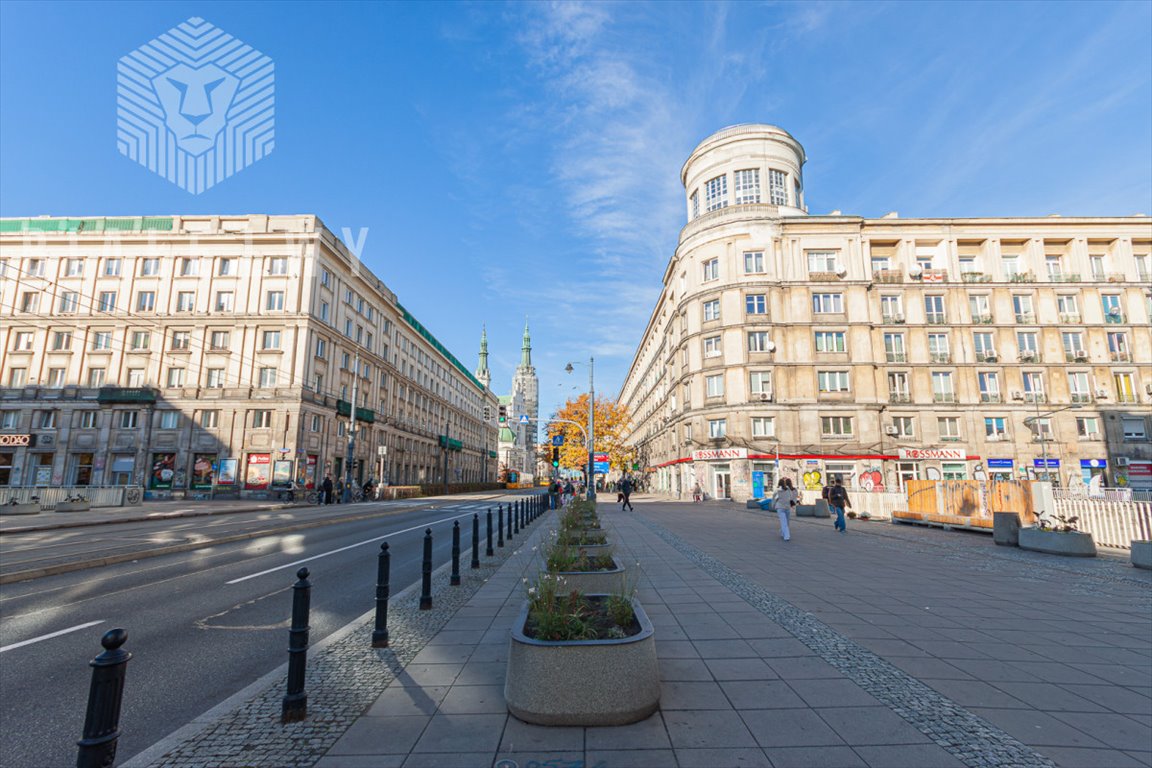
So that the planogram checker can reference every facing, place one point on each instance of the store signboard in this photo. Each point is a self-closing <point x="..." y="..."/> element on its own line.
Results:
<point x="932" y="454"/>
<point x="1000" y="463"/>
<point x="720" y="454"/>
<point x="1046" y="463"/>
<point x="227" y="472"/>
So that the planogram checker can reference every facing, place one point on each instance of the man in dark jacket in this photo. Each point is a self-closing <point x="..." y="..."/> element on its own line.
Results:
<point x="626" y="491"/>
<point x="838" y="500"/>
<point x="326" y="486"/>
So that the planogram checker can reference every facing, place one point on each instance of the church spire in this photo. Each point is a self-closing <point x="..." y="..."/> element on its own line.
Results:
<point x="482" y="372"/>
<point x="526" y="350"/>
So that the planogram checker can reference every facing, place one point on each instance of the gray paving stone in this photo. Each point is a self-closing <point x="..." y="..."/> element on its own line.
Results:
<point x="1037" y="728"/>
<point x="461" y="733"/>
<point x="692" y="695"/>
<point x="701" y="729"/>
<point x="789" y="728"/>
<point x="684" y="669"/>
<point x="976" y="693"/>
<point x="814" y="757"/>
<point x="722" y="758"/>
<point x="482" y="673"/>
<point x="779" y="648"/>
<point x="760" y="694"/>
<point x="449" y="760"/>
<point x="428" y="674"/>
<point x="631" y="758"/>
<point x="740" y="669"/>
<point x="831" y="692"/>
<point x="915" y="756"/>
<point x="398" y="701"/>
<point x="540" y="739"/>
<point x="1048" y="698"/>
<point x="801" y="667"/>
<point x="724" y="649"/>
<point x="871" y="725"/>
<point x="675" y="649"/>
<point x="381" y="736"/>
<point x="648" y="734"/>
<point x="474" y="700"/>
<point x="1114" y="730"/>
<point x="361" y="761"/>
<point x="1071" y="757"/>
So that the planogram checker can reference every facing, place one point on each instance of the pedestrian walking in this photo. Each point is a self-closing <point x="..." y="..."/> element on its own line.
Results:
<point x="326" y="487"/>
<point x="626" y="493"/>
<point x="782" y="501"/>
<point x="838" y="500"/>
<point x="569" y="493"/>
<point x="340" y="491"/>
<point x="696" y="493"/>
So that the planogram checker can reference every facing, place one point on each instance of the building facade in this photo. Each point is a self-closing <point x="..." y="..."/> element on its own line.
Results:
<point x="522" y="410"/>
<point x="882" y="350"/>
<point x="196" y="354"/>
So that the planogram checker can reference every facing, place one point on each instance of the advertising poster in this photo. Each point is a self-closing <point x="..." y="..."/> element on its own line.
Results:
<point x="256" y="478"/>
<point x="227" y="472"/>
<point x="202" y="471"/>
<point x="282" y="474"/>
<point x="310" y="471"/>
<point x="163" y="470"/>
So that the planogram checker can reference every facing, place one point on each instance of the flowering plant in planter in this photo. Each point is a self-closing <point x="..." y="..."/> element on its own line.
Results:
<point x="581" y="537"/>
<point x="1058" y="523"/>
<point x="557" y="613"/>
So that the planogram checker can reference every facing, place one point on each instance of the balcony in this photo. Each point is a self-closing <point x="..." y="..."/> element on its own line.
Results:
<point x="943" y="397"/>
<point x="1120" y="356"/>
<point x="1026" y="318"/>
<point x="934" y="276"/>
<point x="935" y="318"/>
<point x="991" y="397"/>
<point x="899" y="397"/>
<point x="975" y="277"/>
<point x="1069" y="317"/>
<point x="986" y="357"/>
<point x="1044" y="437"/>
<point x="1064" y="277"/>
<point x="896" y="357"/>
<point x="1127" y="397"/>
<point x="1022" y="277"/>
<point x="1114" y="277"/>
<point x="824" y="277"/>
<point x="1081" y="397"/>
<point x="1035" y="397"/>
<point x="984" y="319"/>
<point x="888" y="276"/>
<point x="949" y="438"/>
<point x="1028" y="357"/>
<point x="1075" y="356"/>
<point x="940" y="357"/>
<point x="1114" y="317"/>
<point x="892" y="318"/>
<point x="1088" y="438"/>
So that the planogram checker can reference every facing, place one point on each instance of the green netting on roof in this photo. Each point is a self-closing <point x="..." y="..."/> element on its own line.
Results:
<point x="419" y="328"/>
<point x="122" y="225"/>
<point x="138" y="224"/>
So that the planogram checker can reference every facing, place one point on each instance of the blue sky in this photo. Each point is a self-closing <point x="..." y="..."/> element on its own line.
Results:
<point x="511" y="160"/>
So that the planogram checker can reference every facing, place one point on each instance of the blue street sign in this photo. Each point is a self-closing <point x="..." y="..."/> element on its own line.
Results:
<point x="1052" y="463"/>
<point x="999" y="463"/>
<point x="557" y="440"/>
<point x="524" y="419"/>
<point x="1092" y="463"/>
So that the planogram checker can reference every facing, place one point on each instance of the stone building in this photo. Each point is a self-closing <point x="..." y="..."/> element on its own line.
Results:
<point x="518" y="434"/>
<point x="219" y="354"/>
<point x="886" y="349"/>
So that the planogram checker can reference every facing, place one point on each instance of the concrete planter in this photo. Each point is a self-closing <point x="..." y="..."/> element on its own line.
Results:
<point x="1142" y="554"/>
<point x="819" y="509"/>
<point x="1068" y="544"/>
<point x="583" y="682"/>
<point x="1006" y="529"/>
<point x="26" y="508"/>
<point x="73" y="506"/>
<point x="594" y="582"/>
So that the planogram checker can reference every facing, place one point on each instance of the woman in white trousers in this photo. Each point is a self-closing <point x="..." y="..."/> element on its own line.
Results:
<point x="783" y="501"/>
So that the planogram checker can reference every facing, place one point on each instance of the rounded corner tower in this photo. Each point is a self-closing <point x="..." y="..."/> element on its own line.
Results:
<point x="747" y="164"/>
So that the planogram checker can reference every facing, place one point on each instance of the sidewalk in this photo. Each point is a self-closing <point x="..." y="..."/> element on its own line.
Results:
<point x="923" y="649"/>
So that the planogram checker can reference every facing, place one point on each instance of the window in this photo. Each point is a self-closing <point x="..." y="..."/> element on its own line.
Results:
<point x="1026" y="343"/>
<point x="314" y="426"/>
<point x="175" y="377"/>
<point x="9" y="419"/>
<point x="711" y="346"/>
<point x="73" y="267"/>
<point x="898" y="387"/>
<point x="185" y="301"/>
<point x="905" y="426"/>
<point x="1133" y="428"/>
<point x="716" y="193"/>
<point x="949" y="428"/>
<point x="146" y="301"/>
<point x="778" y="187"/>
<point x="714" y="385"/>
<point x="225" y="301"/>
<point x="1022" y="306"/>
<point x="760" y="382"/>
<point x="717" y="428"/>
<point x="746" y="185"/>
<point x="348" y="327"/>
<point x="219" y="340"/>
<point x="1073" y="346"/>
<point x="88" y="420"/>
<point x="891" y="309"/>
<point x="141" y="340"/>
<point x="189" y="267"/>
<point x="112" y="267"/>
<point x="69" y="301"/>
<point x="712" y="310"/>
<point x="61" y="341"/>
<point x="1111" y="306"/>
<point x="1096" y="262"/>
<point x="942" y="391"/>
<point x="214" y="378"/>
<point x="830" y="341"/>
<point x="755" y="304"/>
<point x="23" y="341"/>
<point x="277" y="265"/>
<point x="1118" y="347"/>
<point x="753" y="262"/>
<point x="1033" y="387"/>
<point x="267" y="378"/>
<point x="321" y="348"/>
<point x="985" y="348"/>
<point x="758" y="341"/>
<point x="827" y="303"/>
<point x="980" y="308"/>
<point x="106" y="302"/>
<point x="181" y="340"/>
<point x="934" y="310"/>
<point x="695" y="204"/>
<point x="102" y="341"/>
<point x="324" y="311"/>
<point x="954" y="470"/>
<point x="1125" y="388"/>
<point x="1087" y="428"/>
<point x="169" y="419"/>
<point x="325" y="278"/>
<point x="1068" y="308"/>
<point x="209" y="419"/>
<point x="894" y="348"/>
<point x="271" y="340"/>
<point x="261" y="419"/>
<point x="128" y="419"/>
<point x="836" y="426"/>
<point x="274" y="300"/>
<point x="35" y="267"/>
<point x="95" y="377"/>
<point x="763" y="426"/>
<point x="989" y="386"/>
<point x="345" y="361"/>
<point x="44" y="419"/>
<point x="318" y="383"/>
<point x="1142" y="272"/>
<point x="1041" y="429"/>
<point x="226" y="267"/>
<point x="968" y="265"/>
<point x="1054" y="264"/>
<point x="832" y="381"/>
<point x="17" y="377"/>
<point x="823" y="261"/>
<point x="149" y="267"/>
<point x="135" y="377"/>
<point x="1078" y="387"/>
<point x="56" y="377"/>
<point x="711" y="269"/>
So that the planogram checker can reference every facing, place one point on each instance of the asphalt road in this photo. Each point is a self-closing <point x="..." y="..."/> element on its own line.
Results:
<point x="196" y="638"/>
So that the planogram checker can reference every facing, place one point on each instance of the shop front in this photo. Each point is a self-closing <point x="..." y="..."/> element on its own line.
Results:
<point x="1001" y="470"/>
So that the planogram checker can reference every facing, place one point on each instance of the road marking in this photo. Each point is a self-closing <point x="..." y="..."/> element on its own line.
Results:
<point x="50" y="636"/>
<point x="344" y="549"/>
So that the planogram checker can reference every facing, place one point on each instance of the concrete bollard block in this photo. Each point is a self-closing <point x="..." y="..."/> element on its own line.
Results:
<point x="1006" y="529"/>
<point x="1142" y="554"/>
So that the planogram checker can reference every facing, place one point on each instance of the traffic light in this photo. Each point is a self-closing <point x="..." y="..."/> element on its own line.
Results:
<point x="487" y="413"/>
<point x="503" y="414"/>
<point x="556" y="457"/>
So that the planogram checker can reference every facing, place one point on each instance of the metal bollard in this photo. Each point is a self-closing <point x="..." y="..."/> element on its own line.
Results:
<point x="516" y="516"/>
<point x="295" y="705"/>
<point x="475" y="540"/>
<point x="488" y="552"/>
<point x="455" y="580"/>
<point x="426" y="573"/>
<point x="106" y="693"/>
<point x="509" y="523"/>
<point x="383" y="570"/>
<point x="500" y="528"/>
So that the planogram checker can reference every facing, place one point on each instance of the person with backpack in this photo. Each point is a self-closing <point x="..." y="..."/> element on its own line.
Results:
<point x="838" y="500"/>
<point x="782" y="502"/>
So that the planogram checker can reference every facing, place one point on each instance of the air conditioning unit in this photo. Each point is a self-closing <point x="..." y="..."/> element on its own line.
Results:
<point x="765" y="397"/>
<point x="1017" y="395"/>
<point x="1080" y="356"/>
<point x="1101" y="393"/>
<point x="899" y="318"/>
<point x="1121" y="461"/>
<point x="891" y="431"/>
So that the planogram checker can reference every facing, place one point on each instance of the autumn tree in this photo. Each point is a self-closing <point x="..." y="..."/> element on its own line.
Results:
<point x="611" y="425"/>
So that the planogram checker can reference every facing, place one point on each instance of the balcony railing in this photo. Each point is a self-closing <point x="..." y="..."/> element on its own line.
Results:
<point x="934" y="276"/>
<point x="1064" y="277"/>
<point x="984" y="319"/>
<point x="1075" y="356"/>
<point x="1022" y="277"/>
<point x="824" y="277"/>
<point x="899" y="397"/>
<point x="896" y="357"/>
<point x="1114" y="317"/>
<point x="943" y="397"/>
<point x="949" y="438"/>
<point x="986" y="357"/>
<point x="892" y="318"/>
<point x="975" y="277"/>
<point x="933" y="318"/>
<point x="1127" y="397"/>
<point x="1114" y="277"/>
<point x="991" y="397"/>
<point x="888" y="275"/>
<point x="1035" y="397"/>
<point x="1025" y="317"/>
<point x="940" y="357"/>
<point x="1069" y="317"/>
<point x="1081" y="397"/>
<point x="1028" y="357"/>
<point x="1120" y="356"/>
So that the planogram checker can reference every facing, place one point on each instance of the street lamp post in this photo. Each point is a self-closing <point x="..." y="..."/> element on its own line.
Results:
<point x="347" y="495"/>
<point x="1035" y="423"/>
<point x="591" y="424"/>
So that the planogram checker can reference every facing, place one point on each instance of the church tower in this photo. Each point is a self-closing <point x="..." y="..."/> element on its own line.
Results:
<point x="525" y="383"/>
<point x="482" y="372"/>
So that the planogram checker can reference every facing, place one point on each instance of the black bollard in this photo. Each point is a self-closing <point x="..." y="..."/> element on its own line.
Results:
<point x="383" y="569"/>
<point x="475" y="540"/>
<point x="509" y="523"/>
<point x="500" y="528"/>
<point x="426" y="573"/>
<point x="516" y="516"/>
<point x="488" y="552"/>
<point x="455" y="580"/>
<point x="102" y="721"/>
<point x="295" y="706"/>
